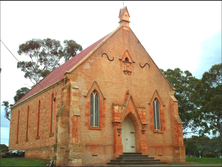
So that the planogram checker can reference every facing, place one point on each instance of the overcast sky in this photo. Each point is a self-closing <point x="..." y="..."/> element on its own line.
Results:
<point x="177" y="34"/>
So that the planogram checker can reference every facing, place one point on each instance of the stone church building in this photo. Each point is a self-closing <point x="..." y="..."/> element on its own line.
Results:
<point x="109" y="99"/>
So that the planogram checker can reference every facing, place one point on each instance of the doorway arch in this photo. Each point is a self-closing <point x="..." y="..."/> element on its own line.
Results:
<point x="128" y="135"/>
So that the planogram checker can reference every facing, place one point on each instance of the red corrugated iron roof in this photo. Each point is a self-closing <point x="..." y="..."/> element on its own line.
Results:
<point x="58" y="73"/>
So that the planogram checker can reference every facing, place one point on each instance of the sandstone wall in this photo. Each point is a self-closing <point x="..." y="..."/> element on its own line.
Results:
<point x="25" y="138"/>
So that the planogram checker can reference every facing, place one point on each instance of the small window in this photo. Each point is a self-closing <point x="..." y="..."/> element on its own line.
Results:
<point x="127" y="59"/>
<point x="94" y="109"/>
<point x="156" y="114"/>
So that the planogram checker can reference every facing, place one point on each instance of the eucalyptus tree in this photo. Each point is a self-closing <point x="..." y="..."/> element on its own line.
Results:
<point x="184" y="83"/>
<point x="209" y="100"/>
<point x="44" y="56"/>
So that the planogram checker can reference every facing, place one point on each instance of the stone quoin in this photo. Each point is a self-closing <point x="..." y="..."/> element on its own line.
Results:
<point x="109" y="99"/>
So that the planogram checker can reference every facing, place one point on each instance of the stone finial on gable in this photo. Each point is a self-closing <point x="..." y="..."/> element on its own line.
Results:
<point x="124" y="17"/>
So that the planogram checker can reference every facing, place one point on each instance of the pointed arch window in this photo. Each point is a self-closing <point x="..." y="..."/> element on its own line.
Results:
<point x="156" y="114"/>
<point x="94" y="109"/>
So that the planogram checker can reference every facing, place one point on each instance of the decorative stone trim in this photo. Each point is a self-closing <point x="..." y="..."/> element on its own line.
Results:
<point x="94" y="128"/>
<point x="119" y="111"/>
<point x="173" y="98"/>
<point x="127" y="61"/>
<point x="156" y="94"/>
<point x="158" y="131"/>
<point x="93" y="86"/>
<point x="74" y="99"/>
<point x="143" y="131"/>
<point x="60" y="110"/>
<point x="116" y="123"/>
<point x="144" y="65"/>
<point x="107" y="57"/>
<point x="64" y="87"/>
<point x="119" y="130"/>
<point x="144" y="125"/>
<point x="127" y="72"/>
<point x="178" y="119"/>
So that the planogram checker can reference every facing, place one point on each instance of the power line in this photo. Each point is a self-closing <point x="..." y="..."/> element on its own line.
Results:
<point x="18" y="61"/>
<point x="9" y="50"/>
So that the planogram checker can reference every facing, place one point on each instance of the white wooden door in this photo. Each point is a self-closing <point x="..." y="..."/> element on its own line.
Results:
<point x="128" y="135"/>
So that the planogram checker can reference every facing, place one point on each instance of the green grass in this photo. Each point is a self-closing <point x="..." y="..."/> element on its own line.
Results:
<point x="204" y="160"/>
<point x="21" y="162"/>
<point x="35" y="162"/>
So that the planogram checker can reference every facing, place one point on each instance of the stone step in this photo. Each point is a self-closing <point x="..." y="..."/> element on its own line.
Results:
<point x="135" y="163"/>
<point x="134" y="159"/>
<point x="135" y="156"/>
<point x="132" y="153"/>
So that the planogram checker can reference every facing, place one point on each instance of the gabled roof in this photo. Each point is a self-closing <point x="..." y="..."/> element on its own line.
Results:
<point x="58" y="73"/>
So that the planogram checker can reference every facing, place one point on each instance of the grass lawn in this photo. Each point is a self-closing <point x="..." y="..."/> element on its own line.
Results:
<point x="21" y="162"/>
<point x="204" y="160"/>
<point x="35" y="162"/>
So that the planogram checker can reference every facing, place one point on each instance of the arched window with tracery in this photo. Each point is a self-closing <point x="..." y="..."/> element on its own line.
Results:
<point x="94" y="109"/>
<point x="156" y="114"/>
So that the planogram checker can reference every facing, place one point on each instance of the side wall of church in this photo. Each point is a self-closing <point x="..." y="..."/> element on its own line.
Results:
<point x="144" y="84"/>
<point x="31" y="128"/>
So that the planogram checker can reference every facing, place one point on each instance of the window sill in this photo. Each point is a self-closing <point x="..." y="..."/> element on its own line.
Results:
<point x="158" y="131"/>
<point x="38" y="137"/>
<point x="51" y="134"/>
<point x="94" y="128"/>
